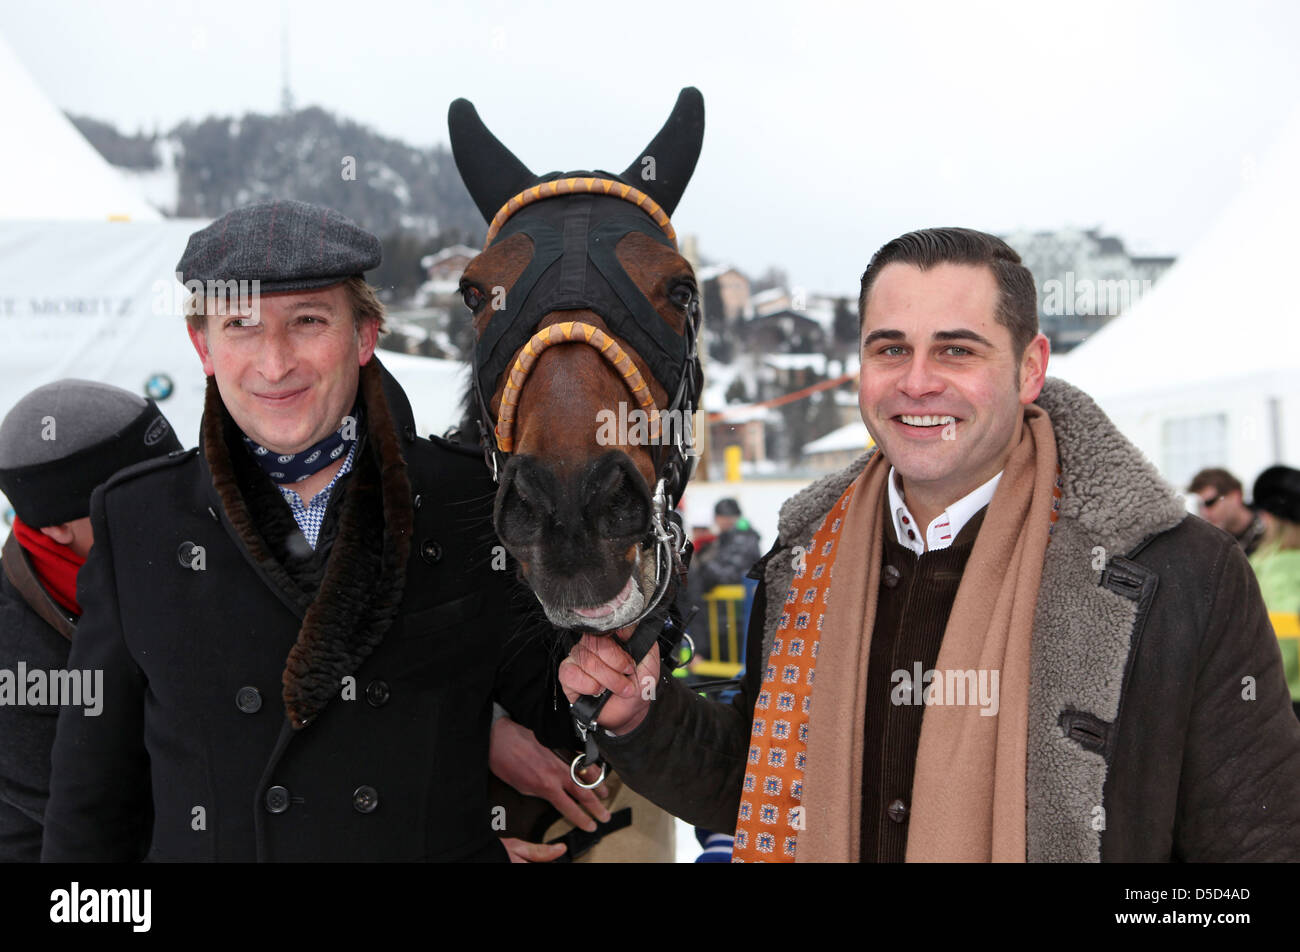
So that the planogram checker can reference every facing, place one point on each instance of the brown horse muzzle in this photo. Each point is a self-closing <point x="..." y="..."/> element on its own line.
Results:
<point x="580" y="535"/>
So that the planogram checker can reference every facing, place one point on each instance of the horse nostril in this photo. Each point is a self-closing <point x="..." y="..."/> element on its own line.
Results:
<point x="611" y="481"/>
<point x="620" y="506"/>
<point x="524" y="506"/>
<point x="532" y="494"/>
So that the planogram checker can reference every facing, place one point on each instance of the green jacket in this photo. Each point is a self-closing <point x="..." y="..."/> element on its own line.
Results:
<point x="1278" y="573"/>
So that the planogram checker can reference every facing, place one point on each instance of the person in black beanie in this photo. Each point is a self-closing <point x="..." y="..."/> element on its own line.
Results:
<point x="1277" y="560"/>
<point x="56" y="445"/>
<point x="303" y="622"/>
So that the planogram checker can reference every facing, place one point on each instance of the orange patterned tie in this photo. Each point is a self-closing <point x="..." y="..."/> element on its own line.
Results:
<point x="767" y="829"/>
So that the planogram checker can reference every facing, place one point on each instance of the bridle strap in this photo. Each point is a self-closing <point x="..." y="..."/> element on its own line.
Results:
<point x="581" y="185"/>
<point x="563" y="333"/>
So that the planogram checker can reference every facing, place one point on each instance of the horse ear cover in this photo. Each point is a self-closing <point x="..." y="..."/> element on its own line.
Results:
<point x="489" y="170"/>
<point x="493" y="175"/>
<point x="674" y="152"/>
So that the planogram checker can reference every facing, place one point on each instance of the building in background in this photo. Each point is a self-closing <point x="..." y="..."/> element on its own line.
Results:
<point x="1084" y="280"/>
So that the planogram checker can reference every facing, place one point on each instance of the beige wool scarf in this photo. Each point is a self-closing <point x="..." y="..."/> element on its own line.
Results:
<point x="968" y="796"/>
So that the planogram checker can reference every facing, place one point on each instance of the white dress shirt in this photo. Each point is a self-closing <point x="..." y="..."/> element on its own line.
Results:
<point x="940" y="533"/>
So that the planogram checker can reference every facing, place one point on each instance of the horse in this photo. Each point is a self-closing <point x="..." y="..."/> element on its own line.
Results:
<point x="585" y="371"/>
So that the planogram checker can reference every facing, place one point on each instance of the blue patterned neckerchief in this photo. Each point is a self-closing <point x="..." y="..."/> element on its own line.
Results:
<point x="286" y="468"/>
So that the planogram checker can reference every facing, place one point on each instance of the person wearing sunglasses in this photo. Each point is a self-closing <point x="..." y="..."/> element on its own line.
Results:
<point x="1219" y="502"/>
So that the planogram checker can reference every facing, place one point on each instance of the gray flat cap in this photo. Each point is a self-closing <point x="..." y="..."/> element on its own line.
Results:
<point x="65" y="438"/>
<point x="284" y="245"/>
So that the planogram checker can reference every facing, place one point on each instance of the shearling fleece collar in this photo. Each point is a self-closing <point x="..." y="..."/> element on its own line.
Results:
<point x="1113" y="500"/>
<point x="1110" y="488"/>
<point x="364" y="574"/>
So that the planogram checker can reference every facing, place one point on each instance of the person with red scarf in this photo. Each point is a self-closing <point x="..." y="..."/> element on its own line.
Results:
<point x="56" y="445"/>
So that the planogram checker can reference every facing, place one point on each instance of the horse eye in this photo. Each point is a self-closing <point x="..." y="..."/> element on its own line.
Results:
<point x="682" y="295"/>
<point x="473" y="298"/>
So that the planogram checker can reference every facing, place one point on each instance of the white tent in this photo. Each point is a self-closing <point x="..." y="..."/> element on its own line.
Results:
<point x="1205" y="369"/>
<point x="48" y="171"/>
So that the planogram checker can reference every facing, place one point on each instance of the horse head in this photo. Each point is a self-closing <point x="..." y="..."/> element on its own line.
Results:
<point x="585" y="369"/>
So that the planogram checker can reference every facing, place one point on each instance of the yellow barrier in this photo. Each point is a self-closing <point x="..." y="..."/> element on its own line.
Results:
<point x="733" y="455"/>
<point x="730" y="597"/>
<point x="1285" y="624"/>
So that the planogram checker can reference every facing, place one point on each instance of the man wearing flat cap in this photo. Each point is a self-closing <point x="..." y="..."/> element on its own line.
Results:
<point x="56" y="445"/>
<point x="299" y="623"/>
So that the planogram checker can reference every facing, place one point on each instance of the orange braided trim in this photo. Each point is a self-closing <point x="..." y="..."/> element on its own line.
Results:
<point x="581" y="185"/>
<point x="580" y="333"/>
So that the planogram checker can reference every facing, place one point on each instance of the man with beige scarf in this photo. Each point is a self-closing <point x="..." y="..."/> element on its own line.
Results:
<point x="1024" y="648"/>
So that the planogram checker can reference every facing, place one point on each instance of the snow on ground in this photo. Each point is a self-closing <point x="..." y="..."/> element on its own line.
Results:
<point x="688" y="847"/>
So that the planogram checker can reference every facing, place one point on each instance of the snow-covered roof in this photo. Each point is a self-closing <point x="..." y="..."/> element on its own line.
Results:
<point x="408" y="329"/>
<point x="815" y="362"/>
<point x="709" y="272"/>
<point x="438" y="287"/>
<point x="742" y="413"/>
<point x="768" y="299"/>
<point x="850" y="437"/>
<point x="451" y="251"/>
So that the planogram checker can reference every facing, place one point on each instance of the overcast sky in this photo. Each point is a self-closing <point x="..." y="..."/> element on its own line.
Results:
<point x="831" y="127"/>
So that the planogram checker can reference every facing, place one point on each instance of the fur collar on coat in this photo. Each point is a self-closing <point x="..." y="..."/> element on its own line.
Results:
<point x="347" y="595"/>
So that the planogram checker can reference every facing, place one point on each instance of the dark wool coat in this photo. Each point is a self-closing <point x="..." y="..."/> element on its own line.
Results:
<point x="35" y="630"/>
<point x="1160" y="726"/>
<point x="266" y="702"/>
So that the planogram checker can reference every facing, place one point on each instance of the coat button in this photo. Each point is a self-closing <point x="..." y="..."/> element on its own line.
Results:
<point x="430" y="551"/>
<point x="365" y="800"/>
<point x="248" y="700"/>
<point x="415" y="503"/>
<point x="408" y="431"/>
<point x="377" y="693"/>
<point x="897" y="811"/>
<point x="890" y="576"/>
<point x="277" y="799"/>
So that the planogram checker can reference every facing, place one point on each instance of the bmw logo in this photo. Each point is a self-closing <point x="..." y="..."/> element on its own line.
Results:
<point x="159" y="387"/>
